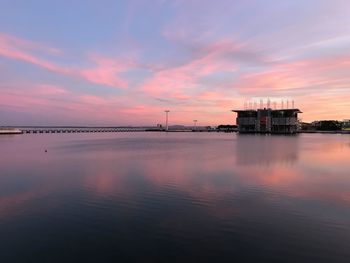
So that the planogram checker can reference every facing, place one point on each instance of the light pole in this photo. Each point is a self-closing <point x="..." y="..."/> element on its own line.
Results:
<point x="166" y="119"/>
<point x="195" y="124"/>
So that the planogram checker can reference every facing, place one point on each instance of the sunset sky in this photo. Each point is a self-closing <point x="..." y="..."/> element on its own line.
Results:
<point x="125" y="62"/>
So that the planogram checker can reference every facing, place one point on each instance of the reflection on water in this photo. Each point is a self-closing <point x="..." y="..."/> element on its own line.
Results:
<point x="174" y="197"/>
<point x="264" y="149"/>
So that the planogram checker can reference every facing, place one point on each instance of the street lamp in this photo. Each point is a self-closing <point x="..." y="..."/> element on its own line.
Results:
<point x="195" y="124"/>
<point x="166" y="119"/>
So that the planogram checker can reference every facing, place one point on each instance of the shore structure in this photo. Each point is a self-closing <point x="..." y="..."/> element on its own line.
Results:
<point x="267" y="120"/>
<point x="10" y="131"/>
<point x="346" y="125"/>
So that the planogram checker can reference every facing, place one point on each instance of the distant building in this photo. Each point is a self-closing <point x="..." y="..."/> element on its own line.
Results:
<point x="327" y="125"/>
<point x="283" y="121"/>
<point x="346" y="124"/>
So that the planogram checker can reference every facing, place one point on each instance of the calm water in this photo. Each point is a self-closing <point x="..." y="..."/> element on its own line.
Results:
<point x="156" y="197"/>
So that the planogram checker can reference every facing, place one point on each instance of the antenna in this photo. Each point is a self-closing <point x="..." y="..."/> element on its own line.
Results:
<point x="166" y="119"/>
<point x="287" y="104"/>
<point x="282" y="104"/>
<point x="261" y="103"/>
<point x="293" y="104"/>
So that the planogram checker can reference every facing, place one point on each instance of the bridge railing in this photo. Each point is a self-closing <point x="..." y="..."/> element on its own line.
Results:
<point x="80" y="129"/>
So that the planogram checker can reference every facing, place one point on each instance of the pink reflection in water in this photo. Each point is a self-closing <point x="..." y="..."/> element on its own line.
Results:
<point x="202" y="167"/>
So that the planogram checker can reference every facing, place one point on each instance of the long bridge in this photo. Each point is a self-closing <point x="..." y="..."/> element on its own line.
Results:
<point x="93" y="129"/>
<point x="57" y="129"/>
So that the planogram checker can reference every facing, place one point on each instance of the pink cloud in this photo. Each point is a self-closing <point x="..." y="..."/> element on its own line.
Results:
<point x="48" y="89"/>
<point x="105" y="71"/>
<point x="14" y="42"/>
<point x="143" y="110"/>
<point x="322" y="81"/>
<point x="207" y="60"/>
<point x="210" y="95"/>
<point x="289" y="77"/>
<point x="51" y="102"/>
<point x="32" y="96"/>
<point x="14" y="52"/>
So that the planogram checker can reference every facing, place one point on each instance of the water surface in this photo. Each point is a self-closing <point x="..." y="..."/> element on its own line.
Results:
<point x="157" y="197"/>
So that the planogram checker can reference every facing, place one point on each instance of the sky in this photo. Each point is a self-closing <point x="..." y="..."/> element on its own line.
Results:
<point x="104" y="62"/>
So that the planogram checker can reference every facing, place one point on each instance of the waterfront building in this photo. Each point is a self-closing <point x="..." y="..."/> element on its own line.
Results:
<point x="268" y="120"/>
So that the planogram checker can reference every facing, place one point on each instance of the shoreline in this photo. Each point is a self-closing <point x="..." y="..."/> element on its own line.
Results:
<point x="327" y="132"/>
<point x="78" y="129"/>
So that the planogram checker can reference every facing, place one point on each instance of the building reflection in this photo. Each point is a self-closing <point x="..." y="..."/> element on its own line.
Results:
<point x="264" y="150"/>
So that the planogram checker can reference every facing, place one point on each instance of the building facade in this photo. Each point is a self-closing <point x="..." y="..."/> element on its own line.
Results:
<point x="284" y="121"/>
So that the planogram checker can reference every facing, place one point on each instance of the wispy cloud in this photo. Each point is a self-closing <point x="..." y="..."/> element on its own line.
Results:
<point x="297" y="78"/>
<point x="129" y="61"/>
<point x="105" y="71"/>
<point x="205" y="60"/>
